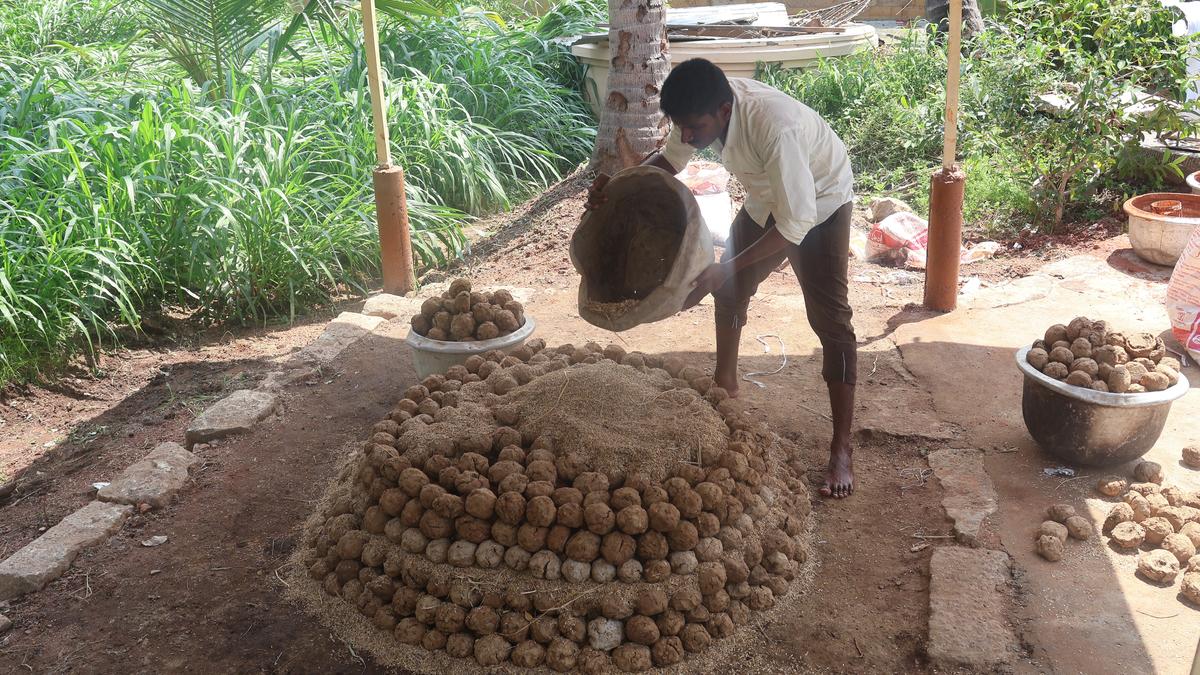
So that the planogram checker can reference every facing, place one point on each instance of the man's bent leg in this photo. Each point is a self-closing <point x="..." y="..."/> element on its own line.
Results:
<point x="821" y="264"/>
<point x="731" y="300"/>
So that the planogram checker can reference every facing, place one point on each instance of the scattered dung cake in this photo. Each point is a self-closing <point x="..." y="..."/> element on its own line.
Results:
<point x="576" y="509"/>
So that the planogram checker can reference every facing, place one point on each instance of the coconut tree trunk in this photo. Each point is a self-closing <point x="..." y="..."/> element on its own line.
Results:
<point x="631" y="125"/>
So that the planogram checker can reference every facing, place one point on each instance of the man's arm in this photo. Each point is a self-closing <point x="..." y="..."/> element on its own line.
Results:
<point x="660" y="160"/>
<point x="595" y="190"/>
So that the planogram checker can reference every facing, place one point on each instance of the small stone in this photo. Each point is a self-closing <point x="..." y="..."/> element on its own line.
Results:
<point x="1128" y="534"/>
<point x="1159" y="566"/>
<point x="5" y="624"/>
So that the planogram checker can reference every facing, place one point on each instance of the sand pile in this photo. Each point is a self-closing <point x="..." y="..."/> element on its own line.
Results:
<point x="577" y="509"/>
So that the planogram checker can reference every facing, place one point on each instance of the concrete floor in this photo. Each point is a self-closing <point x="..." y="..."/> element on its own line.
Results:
<point x="1087" y="613"/>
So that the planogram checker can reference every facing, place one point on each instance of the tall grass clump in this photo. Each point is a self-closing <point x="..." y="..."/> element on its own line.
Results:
<point x="127" y="188"/>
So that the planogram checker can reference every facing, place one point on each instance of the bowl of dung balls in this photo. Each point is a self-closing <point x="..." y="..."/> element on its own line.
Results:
<point x="1096" y="396"/>
<point x="463" y="322"/>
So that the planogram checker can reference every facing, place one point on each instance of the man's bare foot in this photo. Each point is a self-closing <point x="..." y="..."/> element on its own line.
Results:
<point x="839" y="476"/>
<point x="730" y="387"/>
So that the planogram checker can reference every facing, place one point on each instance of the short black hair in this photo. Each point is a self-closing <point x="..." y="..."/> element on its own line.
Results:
<point x="694" y="87"/>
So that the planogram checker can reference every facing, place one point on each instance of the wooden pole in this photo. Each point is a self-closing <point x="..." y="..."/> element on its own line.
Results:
<point x="383" y="152"/>
<point x="946" y="190"/>
<point x="391" y="206"/>
<point x="953" y="56"/>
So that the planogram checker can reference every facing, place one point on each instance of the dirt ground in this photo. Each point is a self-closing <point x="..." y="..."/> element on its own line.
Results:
<point x="210" y="598"/>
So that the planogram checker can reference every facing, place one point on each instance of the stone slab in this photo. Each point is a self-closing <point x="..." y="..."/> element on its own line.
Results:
<point x="153" y="480"/>
<point x="47" y="557"/>
<point x="237" y="413"/>
<point x="388" y="306"/>
<point x="968" y="609"/>
<point x="969" y="494"/>
<point x="339" y="334"/>
<point x="276" y="380"/>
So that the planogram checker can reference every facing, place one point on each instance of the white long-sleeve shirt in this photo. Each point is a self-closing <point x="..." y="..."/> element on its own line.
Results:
<point x="791" y="163"/>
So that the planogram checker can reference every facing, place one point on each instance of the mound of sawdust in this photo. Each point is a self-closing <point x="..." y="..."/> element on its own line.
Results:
<point x="619" y="420"/>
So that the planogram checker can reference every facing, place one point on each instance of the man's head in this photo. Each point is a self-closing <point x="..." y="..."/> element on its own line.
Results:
<point x="698" y="99"/>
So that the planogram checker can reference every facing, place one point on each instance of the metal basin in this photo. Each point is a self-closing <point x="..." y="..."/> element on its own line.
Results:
<point x="433" y="357"/>
<point x="1093" y="428"/>
<point x="1156" y="238"/>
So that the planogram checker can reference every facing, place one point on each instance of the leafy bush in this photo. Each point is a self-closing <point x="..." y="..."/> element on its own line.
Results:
<point x="1026" y="161"/>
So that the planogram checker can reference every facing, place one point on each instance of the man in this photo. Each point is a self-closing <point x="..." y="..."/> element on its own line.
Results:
<point x="798" y="204"/>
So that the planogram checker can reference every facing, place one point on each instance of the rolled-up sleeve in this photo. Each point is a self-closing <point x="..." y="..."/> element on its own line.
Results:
<point x="676" y="152"/>
<point x="793" y="190"/>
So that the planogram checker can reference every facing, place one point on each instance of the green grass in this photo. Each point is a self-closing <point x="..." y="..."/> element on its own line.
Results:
<point x="126" y="189"/>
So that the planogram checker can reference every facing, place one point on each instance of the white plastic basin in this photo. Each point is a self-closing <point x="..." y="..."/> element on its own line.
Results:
<point x="432" y="357"/>
<point x="738" y="58"/>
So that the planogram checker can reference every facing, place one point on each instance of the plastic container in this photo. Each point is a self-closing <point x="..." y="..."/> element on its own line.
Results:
<point x="1160" y="239"/>
<point x="1093" y="428"/>
<point x="436" y="356"/>
<point x="737" y="58"/>
<point x="1193" y="181"/>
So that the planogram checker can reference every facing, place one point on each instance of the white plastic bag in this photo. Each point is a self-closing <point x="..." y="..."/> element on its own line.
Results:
<point x="661" y="285"/>
<point x="1183" y="297"/>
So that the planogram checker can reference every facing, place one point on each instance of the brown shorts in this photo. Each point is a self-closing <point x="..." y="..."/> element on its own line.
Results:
<point x="820" y="263"/>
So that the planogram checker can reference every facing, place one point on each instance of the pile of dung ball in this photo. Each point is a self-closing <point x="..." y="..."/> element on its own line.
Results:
<point x="577" y="509"/>
<point x="1159" y="520"/>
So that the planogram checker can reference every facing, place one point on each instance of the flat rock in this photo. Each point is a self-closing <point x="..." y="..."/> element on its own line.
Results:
<point x="968" y="606"/>
<point x="47" y="557"/>
<point x="276" y="380"/>
<point x="969" y="494"/>
<point x="342" y="332"/>
<point x="388" y="306"/>
<point x="237" y="413"/>
<point x="153" y="480"/>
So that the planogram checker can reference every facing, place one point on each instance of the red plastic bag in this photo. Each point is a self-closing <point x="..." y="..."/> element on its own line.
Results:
<point x="901" y="237"/>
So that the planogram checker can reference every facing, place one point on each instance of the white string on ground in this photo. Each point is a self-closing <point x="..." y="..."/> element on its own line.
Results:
<point x="749" y="377"/>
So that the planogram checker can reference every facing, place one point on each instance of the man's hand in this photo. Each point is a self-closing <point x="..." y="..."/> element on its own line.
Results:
<point x="713" y="277"/>
<point x="594" y="198"/>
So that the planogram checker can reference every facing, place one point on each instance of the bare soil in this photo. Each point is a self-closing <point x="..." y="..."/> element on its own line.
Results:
<point x="210" y="599"/>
